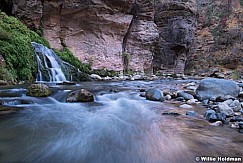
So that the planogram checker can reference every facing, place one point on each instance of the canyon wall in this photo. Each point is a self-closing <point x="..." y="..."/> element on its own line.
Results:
<point x="146" y="36"/>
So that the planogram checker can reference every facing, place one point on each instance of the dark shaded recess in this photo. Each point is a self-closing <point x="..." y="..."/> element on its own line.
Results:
<point x="178" y="48"/>
<point x="6" y="6"/>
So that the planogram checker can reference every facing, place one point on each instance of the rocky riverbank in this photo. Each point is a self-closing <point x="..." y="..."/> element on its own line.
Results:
<point x="218" y="101"/>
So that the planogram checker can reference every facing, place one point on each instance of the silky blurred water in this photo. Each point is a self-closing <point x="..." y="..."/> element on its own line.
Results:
<point x="117" y="128"/>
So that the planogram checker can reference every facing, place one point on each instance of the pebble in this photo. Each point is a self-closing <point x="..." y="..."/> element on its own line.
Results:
<point x="237" y="113"/>
<point x="217" y="123"/>
<point x="233" y="125"/>
<point x="186" y="106"/>
<point x="168" y="97"/>
<point x="192" y="101"/>
<point x="191" y="87"/>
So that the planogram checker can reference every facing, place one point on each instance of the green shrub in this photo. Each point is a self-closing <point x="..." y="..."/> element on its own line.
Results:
<point x="126" y="60"/>
<point x="38" y="39"/>
<point x="67" y="56"/>
<point x="16" y="49"/>
<point x="6" y="75"/>
<point x="104" y="72"/>
<point x="235" y="75"/>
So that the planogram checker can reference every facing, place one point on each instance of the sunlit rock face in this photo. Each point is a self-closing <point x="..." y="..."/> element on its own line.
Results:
<point x="93" y="30"/>
<point x="130" y="35"/>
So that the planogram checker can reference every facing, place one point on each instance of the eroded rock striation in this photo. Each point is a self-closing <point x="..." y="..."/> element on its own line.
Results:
<point x="130" y="35"/>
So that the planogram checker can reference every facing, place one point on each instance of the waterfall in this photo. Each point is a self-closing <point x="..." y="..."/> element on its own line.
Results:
<point x="50" y="66"/>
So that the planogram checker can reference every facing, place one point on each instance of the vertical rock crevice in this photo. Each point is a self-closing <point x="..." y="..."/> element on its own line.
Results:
<point x="141" y="37"/>
<point x="125" y="54"/>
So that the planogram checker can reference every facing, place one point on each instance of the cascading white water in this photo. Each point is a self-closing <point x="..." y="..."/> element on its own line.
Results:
<point x="119" y="129"/>
<point x="48" y="63"/>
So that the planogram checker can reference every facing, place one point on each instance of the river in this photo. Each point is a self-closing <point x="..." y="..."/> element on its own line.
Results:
<point x="119" y="127"/>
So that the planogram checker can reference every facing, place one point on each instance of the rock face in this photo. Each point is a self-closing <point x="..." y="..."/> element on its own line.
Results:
<point x="159" y="36"/>
<point x="176" y="22"/>
<point x="130" y="35"/>
<point x="218" y="42"/>
<point x="211" y="88"/>
<point x="38" y="90"/>
<point x="29" y="12"/>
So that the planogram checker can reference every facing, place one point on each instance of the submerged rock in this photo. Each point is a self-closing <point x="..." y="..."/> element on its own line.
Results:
<point x="80" y="96"/>
<point x="154" y="95"/>
<point x="38" y="90"/>
<point x="192" y="113"/>
<point x="8" y="109"/>
<point x="211" y="88"/>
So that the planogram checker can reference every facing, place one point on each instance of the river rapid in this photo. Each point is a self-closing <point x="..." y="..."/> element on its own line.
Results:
<point x="119" y="127"/>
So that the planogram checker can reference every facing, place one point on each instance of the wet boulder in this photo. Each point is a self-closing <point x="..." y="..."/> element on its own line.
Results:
<point x="95" y="77"/>
<point x="224" y="108"/>
<point x="185" y="95"/>
<point x="38" y="90"/>
<point x="211" y="88"/>
<point x="154" y="95"/>
<point x="81" y="95"/>
<point x="236" y="105"/>
<point x="212" y="116"/>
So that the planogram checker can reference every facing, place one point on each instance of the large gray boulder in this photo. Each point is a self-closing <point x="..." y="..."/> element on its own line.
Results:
<point x="211" y="88"/>
<point x="154" y="95"/>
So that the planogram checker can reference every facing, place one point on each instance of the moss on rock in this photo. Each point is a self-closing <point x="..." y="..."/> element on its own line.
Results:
<point x="80" y="96"/>
<point x="38" y="90"/>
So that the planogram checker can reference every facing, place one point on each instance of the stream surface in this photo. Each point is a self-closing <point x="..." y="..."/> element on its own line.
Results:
<point x="119" y="127"/>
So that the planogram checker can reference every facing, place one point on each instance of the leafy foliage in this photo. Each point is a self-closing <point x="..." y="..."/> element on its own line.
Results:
<point x="6" y="75"/>
<point x="104" y="73"/>
<point x="67" y="56"/>
<point x="15" y="47"/>
<point x="126" y="60"/>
